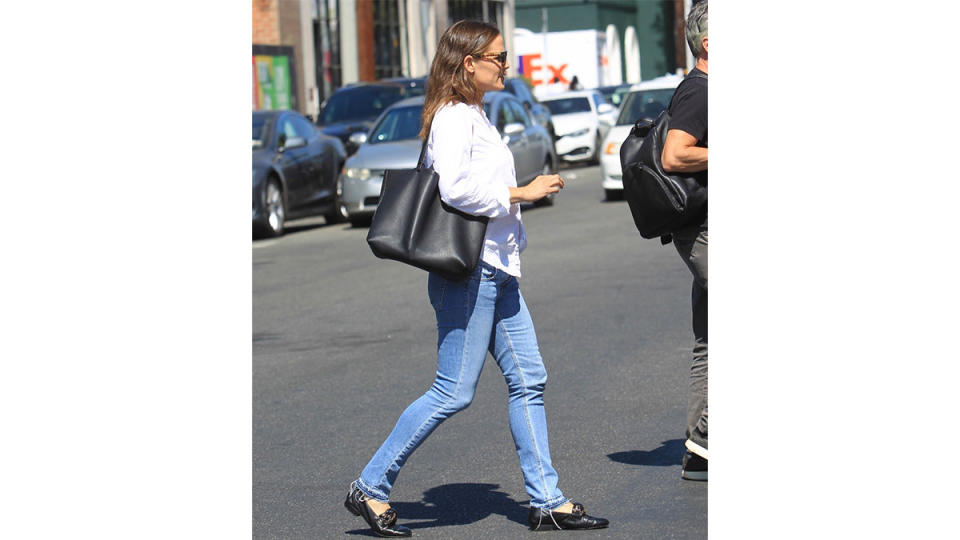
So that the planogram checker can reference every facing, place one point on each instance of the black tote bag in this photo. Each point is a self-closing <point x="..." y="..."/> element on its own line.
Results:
<point x="412" y="225"/>
<point x="660" y="202"/>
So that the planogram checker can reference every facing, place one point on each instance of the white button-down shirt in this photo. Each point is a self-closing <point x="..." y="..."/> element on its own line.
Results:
<point x="476" y="171"/>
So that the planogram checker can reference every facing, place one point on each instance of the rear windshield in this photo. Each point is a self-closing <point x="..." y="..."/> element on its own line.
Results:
<point x="643" y="104"/>
<point x="361" y="103"/>
<point x="261" y="125"/>
<point x="568" y="105"/>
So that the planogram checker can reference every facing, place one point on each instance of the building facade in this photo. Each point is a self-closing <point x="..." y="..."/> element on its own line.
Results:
<point x="303" y="50"/>
<point x="649" y="33"/>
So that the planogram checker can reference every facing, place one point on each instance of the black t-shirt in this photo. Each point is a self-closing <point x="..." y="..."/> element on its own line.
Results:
<point x="688" y="112"/>
<point x="688" y="108"/>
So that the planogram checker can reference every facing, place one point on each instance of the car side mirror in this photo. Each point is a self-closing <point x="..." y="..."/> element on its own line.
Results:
<point x="358" y="138"/>
<point x="511" y="129"/>
<point x="292" y="142"/>
<point x="604" y="108"/>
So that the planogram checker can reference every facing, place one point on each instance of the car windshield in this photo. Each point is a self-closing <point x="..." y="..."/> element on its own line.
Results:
<point x="398" y="124"/>
<point x="568" y="105"/>
<point x="643" y="104"/>
<point x="360" y="103"/>
<point x="261" y="125"/>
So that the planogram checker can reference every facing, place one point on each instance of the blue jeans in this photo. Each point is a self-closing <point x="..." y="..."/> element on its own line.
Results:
<point x="483" y="313"/>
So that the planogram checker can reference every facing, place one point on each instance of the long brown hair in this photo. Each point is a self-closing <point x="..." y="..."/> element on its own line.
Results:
<point x="449" y="82"/>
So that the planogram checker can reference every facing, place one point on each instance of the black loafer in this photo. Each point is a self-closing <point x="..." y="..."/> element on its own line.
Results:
<point x="545" y="520"/>
<point x="383" y="525"/>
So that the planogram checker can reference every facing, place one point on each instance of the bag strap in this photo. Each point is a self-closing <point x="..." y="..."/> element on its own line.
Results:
<point x="689" y="76"/>
<point x="423" y="152"/>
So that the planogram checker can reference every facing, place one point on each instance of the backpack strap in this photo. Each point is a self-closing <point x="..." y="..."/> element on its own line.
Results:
<point x="689" y="76"/>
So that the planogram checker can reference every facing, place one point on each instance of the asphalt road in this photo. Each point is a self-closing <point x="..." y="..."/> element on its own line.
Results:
<point x="343" y="342"/>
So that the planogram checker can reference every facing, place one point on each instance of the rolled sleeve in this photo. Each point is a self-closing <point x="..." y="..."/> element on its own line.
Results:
<point x="462" y="185"/>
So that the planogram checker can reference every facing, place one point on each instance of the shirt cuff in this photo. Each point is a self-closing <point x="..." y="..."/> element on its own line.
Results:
<point x="503" y="197"/>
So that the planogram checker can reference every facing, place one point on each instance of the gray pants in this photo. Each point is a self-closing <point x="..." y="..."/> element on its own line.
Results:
<point x="692" y="245"/>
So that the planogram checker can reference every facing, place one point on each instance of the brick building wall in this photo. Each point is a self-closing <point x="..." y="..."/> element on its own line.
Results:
<point x="289" y="23"/>
<point x="277" y="22"/>
<point x="266" y="27"/>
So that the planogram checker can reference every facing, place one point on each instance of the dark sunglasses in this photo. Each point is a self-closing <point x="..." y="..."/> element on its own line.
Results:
<point x="500" y="57"/>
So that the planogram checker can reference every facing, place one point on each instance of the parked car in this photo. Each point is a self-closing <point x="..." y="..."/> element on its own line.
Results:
<point x="582" y="118"/>
<point x="614" y="94"/>
<point x="644" y="100"/>
<point x="393" y="144"/>
<point x="416" y="86"/>
<point x="353" y="109"/>
<point x="295" y="170"/>
<point x="537" y="110"/>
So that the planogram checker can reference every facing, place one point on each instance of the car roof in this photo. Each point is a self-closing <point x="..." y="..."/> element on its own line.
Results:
<point x="404" y="80"/>
<point x="665" y="81"/>
<point x="369" y="84"/>
<point x="490" y="97"/>
<point x="406" y="102"/>
<point x="570" y="94"/>
<point x="274" y="112"/>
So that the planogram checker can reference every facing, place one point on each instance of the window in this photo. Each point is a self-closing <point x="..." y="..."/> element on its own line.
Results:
<point x="505" y="115"/>
<point x="358" y="103"/>
<point x="643" y="104"/>
<point x="302" y="127"/>
<point x="519" y="113"/>
<point x="386" y="39"/>
<point x="398" y="124"/>
<point x="519" y="89"/>
<point x="568" y="105"/>
<point x="598" y="100"/>
<point x="261" y="128"/>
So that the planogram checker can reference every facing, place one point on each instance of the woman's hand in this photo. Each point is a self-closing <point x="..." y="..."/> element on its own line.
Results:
<point x="539" y="188"/>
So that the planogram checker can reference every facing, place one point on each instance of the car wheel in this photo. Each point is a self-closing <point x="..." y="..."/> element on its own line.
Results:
<point x="597" y="146"/>
<point x="335" y="215"/>
<point x="548" y="200"/>
<point x="275" y="208"/>
<point x="613" y="194"/>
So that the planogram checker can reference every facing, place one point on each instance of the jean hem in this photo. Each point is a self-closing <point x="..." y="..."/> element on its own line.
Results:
<point x="551" y="504"/>
<point x="370" y="492"/>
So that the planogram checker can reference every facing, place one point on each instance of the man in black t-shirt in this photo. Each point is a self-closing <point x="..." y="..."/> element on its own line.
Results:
<point x="685" y="150"/>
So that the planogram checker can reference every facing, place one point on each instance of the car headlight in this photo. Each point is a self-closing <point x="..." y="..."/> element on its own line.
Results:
<point x="356" y="173"/>
<point x="612" y="148"/>
<point x="578" y="133"/>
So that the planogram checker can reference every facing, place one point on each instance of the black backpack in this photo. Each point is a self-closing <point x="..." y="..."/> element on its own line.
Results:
<point x="660" y="202"/>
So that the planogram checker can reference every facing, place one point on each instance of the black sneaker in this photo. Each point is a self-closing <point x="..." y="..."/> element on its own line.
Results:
<point x="694" y="467"/>
<point x="697" y="444"/>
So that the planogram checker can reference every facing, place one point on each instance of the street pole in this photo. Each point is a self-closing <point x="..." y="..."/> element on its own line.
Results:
<point x="543" y="28"/>
<point x="325" y="55"/>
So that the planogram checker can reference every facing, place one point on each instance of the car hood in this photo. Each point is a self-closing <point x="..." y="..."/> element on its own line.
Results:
<point x="343" y="130"/>
<point x="388" y="155"/>
<point x="618" y="134"/>
<point x="568" y="123"/>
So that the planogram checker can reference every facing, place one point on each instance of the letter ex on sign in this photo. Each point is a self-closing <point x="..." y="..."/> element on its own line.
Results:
<point x="528" y="68"/>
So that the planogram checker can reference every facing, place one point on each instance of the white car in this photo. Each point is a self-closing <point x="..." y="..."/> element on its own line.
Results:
<point x="643" y="100"/>
<point x="581" y="118"/>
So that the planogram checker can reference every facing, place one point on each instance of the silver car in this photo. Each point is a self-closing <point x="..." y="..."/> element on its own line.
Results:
<point x="393" y="144"/>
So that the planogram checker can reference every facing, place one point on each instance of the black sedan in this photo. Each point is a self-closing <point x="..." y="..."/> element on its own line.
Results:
<point x="353" y="109"/>
<point x="295" y="171"/>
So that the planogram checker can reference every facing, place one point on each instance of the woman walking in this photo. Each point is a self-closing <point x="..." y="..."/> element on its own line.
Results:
<point x="485" y="312"/>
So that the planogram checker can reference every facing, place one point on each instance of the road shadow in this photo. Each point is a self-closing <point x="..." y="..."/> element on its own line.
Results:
<point x="669" y="453"/>
<point x="455" y="504"/>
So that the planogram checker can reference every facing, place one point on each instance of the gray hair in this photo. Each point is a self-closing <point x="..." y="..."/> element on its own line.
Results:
<point x="697" y="27"/>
